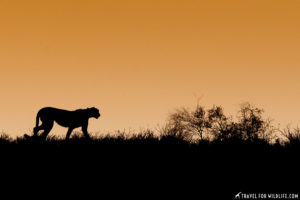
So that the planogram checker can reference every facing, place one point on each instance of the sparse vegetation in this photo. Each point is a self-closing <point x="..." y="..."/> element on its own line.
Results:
<point x="192" y="128"/>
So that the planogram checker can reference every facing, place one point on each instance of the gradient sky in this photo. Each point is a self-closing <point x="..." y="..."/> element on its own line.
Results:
<point x="139" y="60"/>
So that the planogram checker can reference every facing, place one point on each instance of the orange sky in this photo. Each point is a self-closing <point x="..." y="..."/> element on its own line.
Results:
<point x="139" y="60"/>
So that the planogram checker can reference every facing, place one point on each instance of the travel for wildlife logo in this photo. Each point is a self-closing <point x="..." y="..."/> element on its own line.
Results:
<point x="241" y="195"/>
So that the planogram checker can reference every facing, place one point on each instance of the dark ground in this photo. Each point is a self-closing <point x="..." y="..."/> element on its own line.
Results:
<point x="146" y="168"/>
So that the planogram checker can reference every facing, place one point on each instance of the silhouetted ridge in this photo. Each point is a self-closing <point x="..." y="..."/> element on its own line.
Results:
<point x="199" y="153"/>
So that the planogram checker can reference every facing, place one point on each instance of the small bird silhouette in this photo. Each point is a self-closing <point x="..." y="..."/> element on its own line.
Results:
<point x="238" y="195"/>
